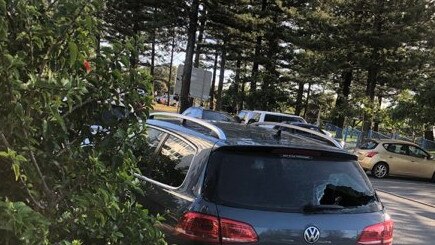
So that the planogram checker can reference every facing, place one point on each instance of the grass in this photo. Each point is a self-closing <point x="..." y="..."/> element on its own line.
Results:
<point x="163" y="108"/>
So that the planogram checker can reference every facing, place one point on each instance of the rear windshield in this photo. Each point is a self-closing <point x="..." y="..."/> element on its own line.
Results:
<point x="286" y="183"/>
<point x="368" y="145"/>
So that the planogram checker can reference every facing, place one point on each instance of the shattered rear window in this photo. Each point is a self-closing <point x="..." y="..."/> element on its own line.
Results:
<point x="286" y="183"/>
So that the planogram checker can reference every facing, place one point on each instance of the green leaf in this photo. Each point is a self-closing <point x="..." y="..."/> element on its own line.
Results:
<point x="73" y="52"/>
<point x="9" y="59"/>
<point x="4" y="154"/>
<point x="2" y="7"/>
<point x="16" y="169"/>
<point x="44" y="128"/>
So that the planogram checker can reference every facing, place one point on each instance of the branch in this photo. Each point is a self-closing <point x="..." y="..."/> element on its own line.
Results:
<point x="39" y="205"/>
<point x="4" y="140"/>
<point x="77" y="107"/>
<point x="6" y="143"/>
<point x="38" y="169"/>
<point x="51" y="5"/>
<point x="66" y="148"/>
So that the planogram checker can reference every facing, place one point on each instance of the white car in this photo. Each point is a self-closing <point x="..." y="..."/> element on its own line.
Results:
<point x="267" y="116"/>
<point x="164" y="100"/>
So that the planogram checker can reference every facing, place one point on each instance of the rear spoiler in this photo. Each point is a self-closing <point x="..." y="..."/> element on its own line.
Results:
<point x="311" y="153"/>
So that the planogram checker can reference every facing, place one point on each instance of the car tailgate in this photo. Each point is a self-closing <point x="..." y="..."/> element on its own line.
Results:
<point x="275" y="228"/>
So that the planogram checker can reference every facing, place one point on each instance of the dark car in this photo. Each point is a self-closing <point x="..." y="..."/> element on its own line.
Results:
<point x="317" y="129"/>
<point x="225" y="183"/>
<point x="309" y="126"/>
<point x="210" y="115"/>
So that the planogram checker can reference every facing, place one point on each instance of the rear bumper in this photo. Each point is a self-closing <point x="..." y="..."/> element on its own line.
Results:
<point x="366" y="163"/>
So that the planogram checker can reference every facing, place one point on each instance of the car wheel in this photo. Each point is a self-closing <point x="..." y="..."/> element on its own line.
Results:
<point x="380" y="170"/>
<point x="433" y="178"/>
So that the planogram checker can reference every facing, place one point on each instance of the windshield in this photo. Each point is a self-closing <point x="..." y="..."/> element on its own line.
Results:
<point x="280" y="182"/>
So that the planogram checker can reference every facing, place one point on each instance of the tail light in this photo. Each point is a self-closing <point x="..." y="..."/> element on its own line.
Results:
<point x="199" y="227"/>
<point x="237" y="232"/>
<point x="378" y="234"/>
<point x="207" y="228"/>
<point x="371" y="154"/>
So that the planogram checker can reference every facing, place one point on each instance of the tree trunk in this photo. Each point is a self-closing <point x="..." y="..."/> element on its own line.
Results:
<point x="376" y="124"/>
<point x="200" y="38"/>
<point x="373" y="69"/>
<point x="153" y="53"/>
<point x="187" y="71"/>
<point x="370" y="93"/>
<point x="429" y="134"/>
<point x="170" y="67"/>
<point x="299" y="97"/>
<point x="221" y="77"/>
<point x="307" y="100"/>
<point x="255" y="65"/>
<point x="242" y="90"/>
<point x="342" y="99"/>
<point x="236" y="84"/>
<point x="213" y="83"/>
<point x="242" y="96"/>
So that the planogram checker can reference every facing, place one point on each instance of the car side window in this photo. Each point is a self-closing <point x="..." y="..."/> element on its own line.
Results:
<point x="272" y="118"/>
<point x="416" y="152"/>
<point x="397" y="148"/>
<point x="256" y="117"/>
<point x="171" y="165"/>
<point x="154" y="136"/>
<point x="290" y="120"/>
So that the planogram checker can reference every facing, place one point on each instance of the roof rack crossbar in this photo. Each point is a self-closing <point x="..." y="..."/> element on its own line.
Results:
<point x="219" y="133"/>
<point x="284" y="125"/>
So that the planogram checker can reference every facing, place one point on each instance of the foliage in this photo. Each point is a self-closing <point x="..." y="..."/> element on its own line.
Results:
<point x="53" y="188"/>
<point x="413" y="110"/>
<point x="20" y="221"/>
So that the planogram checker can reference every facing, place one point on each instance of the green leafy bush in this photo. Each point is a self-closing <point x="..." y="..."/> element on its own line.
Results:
<point x="55" y="82"/>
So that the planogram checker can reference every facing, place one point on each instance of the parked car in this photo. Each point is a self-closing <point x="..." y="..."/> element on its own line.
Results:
<point x="267" y="116"/>
<point x="302" y="131"/>
<point x="173" y="100"/>
<point x="394" y="157"/>
<point x="318" y="129"/>
<point x="201" y="113"/>
<point x="224" y="183"/>
<point x="243" y="114"/>
<point x="312" y="127"/>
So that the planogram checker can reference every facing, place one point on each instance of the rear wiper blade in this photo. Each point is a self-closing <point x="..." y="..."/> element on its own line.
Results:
<point x="318" y="208"/>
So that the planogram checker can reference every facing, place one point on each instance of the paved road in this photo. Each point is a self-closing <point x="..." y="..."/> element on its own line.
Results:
<point x="421" y="190"/>
<point x="414" y="222"/>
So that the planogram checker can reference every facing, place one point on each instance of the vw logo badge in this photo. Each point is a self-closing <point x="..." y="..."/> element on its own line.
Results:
<point x="311" y="234"/>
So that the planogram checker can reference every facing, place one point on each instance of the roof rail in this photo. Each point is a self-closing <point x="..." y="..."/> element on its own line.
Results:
<point x="220" y="134"/>
<point x="284" y="125"/>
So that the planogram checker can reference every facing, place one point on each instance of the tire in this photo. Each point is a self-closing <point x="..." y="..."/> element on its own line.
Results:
<point x="433" y="178"/>
<point x="380" y="170"/>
